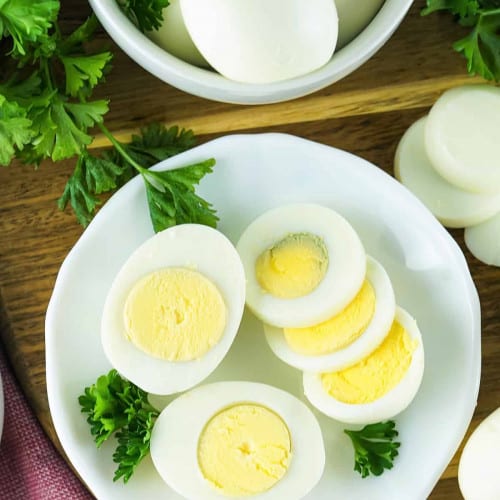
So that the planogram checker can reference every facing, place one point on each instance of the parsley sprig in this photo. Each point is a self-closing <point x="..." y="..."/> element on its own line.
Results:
<point x="374" y="447"/>
<point x="481" y="47"/>
<point x="115" y="406"/>
<point x="145" y="14"/>
<point x="47" y="112"/>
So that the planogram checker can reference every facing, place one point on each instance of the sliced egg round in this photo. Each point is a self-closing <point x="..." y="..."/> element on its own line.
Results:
<point x="174" y="309"/>
<point x="453" y="206"/>
<point x="483" y="240"/>
<point x="345" y="338"/>
<point x="235" y="439"/>
<point x="379" y="386"/>
<point x="462" y="138"/>
<point x="263" y="41"/>
<point x="303" y="263"/>
<point x="478" y="467"/>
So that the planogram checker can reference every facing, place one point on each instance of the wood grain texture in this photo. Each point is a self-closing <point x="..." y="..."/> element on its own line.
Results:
<point x="366" y="114"/>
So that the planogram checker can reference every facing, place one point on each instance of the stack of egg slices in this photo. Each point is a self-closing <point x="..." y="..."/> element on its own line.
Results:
<point x="329" y="310"/>
<point x="450" y="159"/>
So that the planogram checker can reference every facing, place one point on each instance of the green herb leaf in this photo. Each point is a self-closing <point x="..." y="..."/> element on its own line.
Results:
<point x="172" y="199"/>
<point x="481" y="48"/>
<point x="116" y="406"/>
<point x="374" y="447"/>
<point x="26" y="21"/>
<point x="84" y="71"/>
<point x="92" y="176"/>
<point x="15" y="129"/>
<point x="145" y="14"/>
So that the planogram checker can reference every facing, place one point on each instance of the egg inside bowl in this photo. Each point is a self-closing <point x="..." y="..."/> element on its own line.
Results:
<point x="211" y="85"/>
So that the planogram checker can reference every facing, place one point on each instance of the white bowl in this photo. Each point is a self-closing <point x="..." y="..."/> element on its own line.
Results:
<point x="211" y="85"/>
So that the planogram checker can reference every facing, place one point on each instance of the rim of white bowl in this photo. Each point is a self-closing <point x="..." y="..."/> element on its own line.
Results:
<point x="211" y="85"/>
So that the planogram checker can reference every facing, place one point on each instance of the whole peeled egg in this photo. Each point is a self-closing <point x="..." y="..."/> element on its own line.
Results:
<point x="174" y="308"/>
<point x="173" y="36"/>
<point x="354" y="16"/>
<point x="238" y="439"/>
<point x="478" y="467"/>
<point x="263" y="41"/>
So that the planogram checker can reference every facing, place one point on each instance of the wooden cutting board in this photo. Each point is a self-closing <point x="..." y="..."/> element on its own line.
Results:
<point x="366" y="114"/>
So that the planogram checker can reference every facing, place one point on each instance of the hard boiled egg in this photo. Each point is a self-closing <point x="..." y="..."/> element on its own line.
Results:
<point x="379" y="386"/>
<point x="345" y="338"/>
<point x="454" y="207"/>
<point x="478" y="468"/>
<point x="174" y="37"/>
<point x="483" y="240"/>
<point x="174" y="308"/>
<point x="238" y="439"/>
<point x="263" y="41"/>
<point x="303" y="262"/>
<point x="462" y="137"/>
<point x="354" y="15"/>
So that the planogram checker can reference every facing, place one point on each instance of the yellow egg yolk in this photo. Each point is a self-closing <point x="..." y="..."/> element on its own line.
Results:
<point x="337" y="332"/>
<point x="174" y="314"/>
<point x="244" y="450"/>
<point x="293" y="267"/>
<point x="377" y="374"/>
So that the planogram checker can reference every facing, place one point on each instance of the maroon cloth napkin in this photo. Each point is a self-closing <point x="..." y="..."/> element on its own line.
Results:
<point x="30" y="466"/>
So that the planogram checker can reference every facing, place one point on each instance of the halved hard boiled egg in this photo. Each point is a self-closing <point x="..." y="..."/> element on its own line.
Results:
<point x="303" y="262"/>
<point x="238" y="439"/>
<point x="174" y="309"/>
<point x="345" y="338"/>
<point x="379" y="386"/>
<point x="263" y="41"/>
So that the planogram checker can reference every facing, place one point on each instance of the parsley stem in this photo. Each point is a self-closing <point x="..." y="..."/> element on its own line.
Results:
<point x="48" y="77"/>
<point x="119" y="147"/>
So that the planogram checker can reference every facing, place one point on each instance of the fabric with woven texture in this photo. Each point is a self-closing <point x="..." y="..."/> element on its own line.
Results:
<point x="30" y="466"/>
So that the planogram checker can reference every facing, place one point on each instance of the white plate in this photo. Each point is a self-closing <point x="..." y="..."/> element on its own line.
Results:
<point x="254" y="173"/>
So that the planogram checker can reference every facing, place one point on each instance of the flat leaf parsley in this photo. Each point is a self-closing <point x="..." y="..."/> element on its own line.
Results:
<point x="115" y="406"/>
<point x="481" y="47"/>
<point x="47" y="112"/>
<point x="374" y="447"/>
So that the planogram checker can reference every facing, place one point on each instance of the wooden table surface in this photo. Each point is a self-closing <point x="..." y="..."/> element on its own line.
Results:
<point x="366" y="114"/>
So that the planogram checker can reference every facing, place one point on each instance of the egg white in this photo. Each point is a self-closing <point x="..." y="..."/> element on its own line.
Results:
<point x="387" y="406"/>
<point x="192" y="246"/>
<point x="478" y="467"/>
<point x="453" y="206"/>
<point x="343" y="278"/>
<point x="375" y="332"/>
<point x="263" y="41"/>
<point x="175" y="436"/>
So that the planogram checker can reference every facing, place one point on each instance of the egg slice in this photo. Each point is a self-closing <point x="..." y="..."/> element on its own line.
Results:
<point x="462" y="137"/>
<point x="174" y="308"/>
<point x="235" y="439"/>
<point x="263" y="41"/>
<point x="453" y="206"/>
<point x="478" y="476"/>
<point x="174" y="37"/>
<point x="303" y="263"/>
<point x="379" y="386"/>
<point x="345" y="338"/>
<point x="483" y="240"/>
